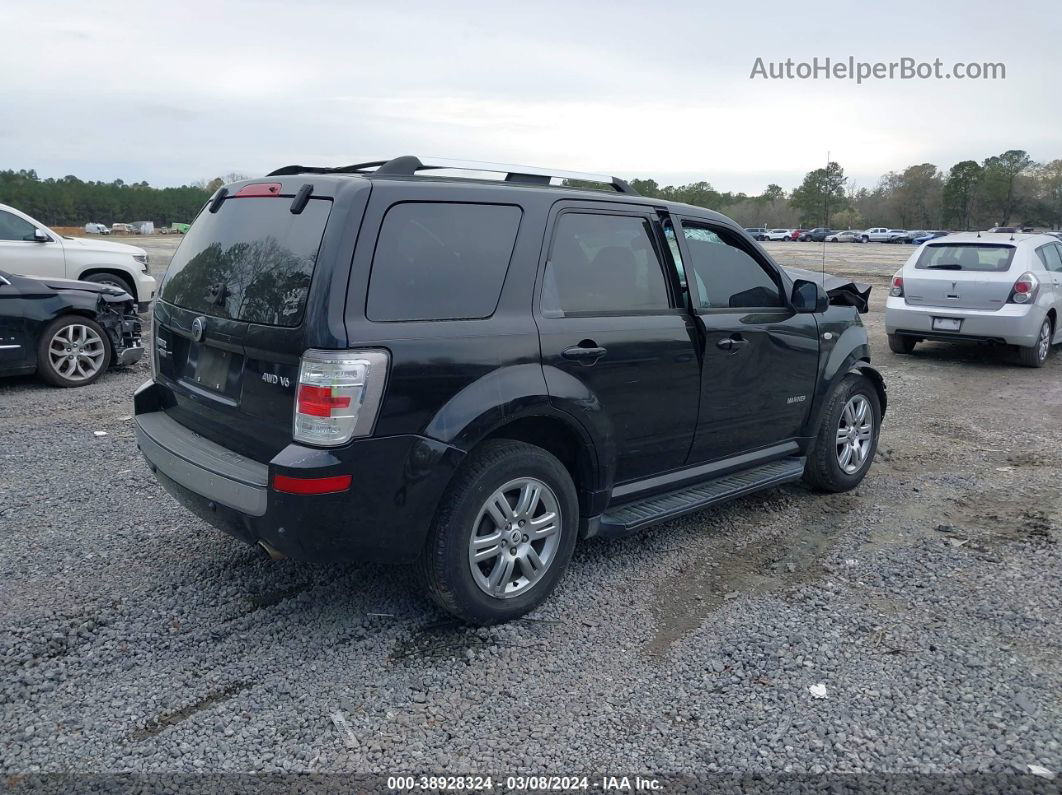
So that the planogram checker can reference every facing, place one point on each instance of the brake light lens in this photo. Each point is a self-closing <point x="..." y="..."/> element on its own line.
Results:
<point x="1025" y="289"/>
<point x="320" y="401"/>
<point x="339" y="395"/>
<point x="896" y="291"/>
<point x="257" y="190"/>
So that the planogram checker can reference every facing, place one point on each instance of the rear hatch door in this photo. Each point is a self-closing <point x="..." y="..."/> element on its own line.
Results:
<point x="969" y="275"/>
<point x="229" y="322"/>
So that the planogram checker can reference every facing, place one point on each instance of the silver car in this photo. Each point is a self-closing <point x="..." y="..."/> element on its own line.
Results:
<point x="987" y="287"/>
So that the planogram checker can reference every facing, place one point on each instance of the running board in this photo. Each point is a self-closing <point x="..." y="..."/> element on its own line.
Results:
<point x="627" y="518"/>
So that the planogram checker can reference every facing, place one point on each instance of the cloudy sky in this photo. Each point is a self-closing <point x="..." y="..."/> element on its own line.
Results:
<point x="178" y="91"/>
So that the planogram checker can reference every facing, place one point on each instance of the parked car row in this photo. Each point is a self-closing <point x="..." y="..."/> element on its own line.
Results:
<point x="878" y="234"/>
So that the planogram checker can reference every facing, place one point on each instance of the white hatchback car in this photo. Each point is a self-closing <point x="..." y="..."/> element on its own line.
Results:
<point x="779" y="234"/>
<point x="29" y="248"/>
<point x="1001" y="288"/>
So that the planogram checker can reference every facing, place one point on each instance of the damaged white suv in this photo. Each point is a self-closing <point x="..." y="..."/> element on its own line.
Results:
<point x="29" y="248"/>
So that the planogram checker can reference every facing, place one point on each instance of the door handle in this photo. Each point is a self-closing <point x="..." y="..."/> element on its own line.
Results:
<point x="586" y="354"/>
<point x="733" y="344"/>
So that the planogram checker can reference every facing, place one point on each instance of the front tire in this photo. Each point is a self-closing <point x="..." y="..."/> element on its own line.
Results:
<point x="848" y="437"/>
<point x="1036" y="355"/>
<point x="73" y="351"/>
<point x="865" y="238"/>
<point x="112" y="280"/>
<point x="900" y="343"/>
<point x="503" y="534"/>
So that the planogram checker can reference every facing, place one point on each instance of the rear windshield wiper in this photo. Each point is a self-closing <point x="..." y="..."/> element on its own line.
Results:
<point x="947" y="266"/>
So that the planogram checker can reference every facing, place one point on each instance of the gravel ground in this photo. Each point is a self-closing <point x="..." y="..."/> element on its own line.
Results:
<point x="135" y="638"/>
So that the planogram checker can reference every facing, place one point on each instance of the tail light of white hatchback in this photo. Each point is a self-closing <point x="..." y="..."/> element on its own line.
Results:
<point x="338" y="395"/>
<point x="896" y="289"/>
<point x="1024" y="289"/>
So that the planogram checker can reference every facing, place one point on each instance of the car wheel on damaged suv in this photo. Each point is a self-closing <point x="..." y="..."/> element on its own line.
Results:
<point x="73" y="351"/>
<point x="848" y="437"/>
<point x="503" y="534"/>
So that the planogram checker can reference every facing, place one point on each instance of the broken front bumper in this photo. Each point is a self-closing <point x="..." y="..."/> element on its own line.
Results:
<point x="129" y="355"/>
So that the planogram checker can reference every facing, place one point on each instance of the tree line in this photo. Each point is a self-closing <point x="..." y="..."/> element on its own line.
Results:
<point x="70" y="201"/>
<point x="1009" y="189"/>
<point x="1002" y="190"/>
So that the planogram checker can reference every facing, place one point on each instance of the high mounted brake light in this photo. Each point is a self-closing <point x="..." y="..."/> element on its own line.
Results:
<point x="338" y="395"/>
<point x="258" y="190"/>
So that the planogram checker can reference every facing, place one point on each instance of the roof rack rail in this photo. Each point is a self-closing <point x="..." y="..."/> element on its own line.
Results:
<point x="357" y="168"/>
<point x="409" y="165"/>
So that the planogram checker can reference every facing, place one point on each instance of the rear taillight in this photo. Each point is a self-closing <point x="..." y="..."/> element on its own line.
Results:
<point x="338" y="395"/>
<point x="1024" y="289"/>
<point x="896" y="291"/>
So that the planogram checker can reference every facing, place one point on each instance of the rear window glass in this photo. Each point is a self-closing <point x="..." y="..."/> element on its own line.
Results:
<point x="986" y="257"/>
<point x="441" y="261"/>
<point x="252" y="260"/>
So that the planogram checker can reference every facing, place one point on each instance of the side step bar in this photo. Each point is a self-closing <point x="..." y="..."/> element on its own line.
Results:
<point x="624" y="519"/>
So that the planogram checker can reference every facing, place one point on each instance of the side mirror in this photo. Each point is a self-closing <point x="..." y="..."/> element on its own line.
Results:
<point x="809" y="297"/>
<point x="40" y="236"/>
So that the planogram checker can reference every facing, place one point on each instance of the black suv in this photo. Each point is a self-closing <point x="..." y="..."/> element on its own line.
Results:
<point x="390" y="362"/>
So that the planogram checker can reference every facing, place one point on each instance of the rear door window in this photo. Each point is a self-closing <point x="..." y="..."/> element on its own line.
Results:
<point x="603" y="264"/>
<point x="983" y="257"/>
<point x="441" y="261"/>
<point x="252" y="260"/>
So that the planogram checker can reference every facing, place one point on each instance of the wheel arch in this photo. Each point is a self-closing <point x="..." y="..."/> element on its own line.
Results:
<point x="130" y="284"/>
<point x="563" y="440"/>
<point x="863" y="367"/>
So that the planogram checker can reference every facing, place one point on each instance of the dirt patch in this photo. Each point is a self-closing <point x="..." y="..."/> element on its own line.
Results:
<point x="718" y="573"/>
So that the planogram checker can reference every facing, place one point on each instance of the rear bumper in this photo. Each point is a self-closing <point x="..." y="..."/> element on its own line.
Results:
<point x="397" y="483"/>
<point x="1011" y="324"/>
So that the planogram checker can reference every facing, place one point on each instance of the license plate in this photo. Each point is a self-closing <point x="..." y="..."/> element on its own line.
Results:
<point x="946" y="323"/>
<point x="212" y="368"/>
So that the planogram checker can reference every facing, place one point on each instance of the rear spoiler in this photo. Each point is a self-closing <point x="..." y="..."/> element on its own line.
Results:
<point x="842" y="291"/>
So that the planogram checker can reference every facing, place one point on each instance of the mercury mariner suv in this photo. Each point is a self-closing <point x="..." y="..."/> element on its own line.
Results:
<point x="413" y="361"/>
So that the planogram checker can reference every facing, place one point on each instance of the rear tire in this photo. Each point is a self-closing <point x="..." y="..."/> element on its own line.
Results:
<point x="73" y="351"/>
<point x="1036" y="355"/>
<point x="852" y="416"/>
<point x="899" y="343"/>
<point x="515" y="574"/>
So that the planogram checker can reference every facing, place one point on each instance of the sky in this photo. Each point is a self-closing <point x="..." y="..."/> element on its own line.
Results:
<point x="176" y="92"/>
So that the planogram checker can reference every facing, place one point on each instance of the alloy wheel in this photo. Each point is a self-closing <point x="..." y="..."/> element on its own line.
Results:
<point x="855" y="434"/>
<point x="515" y="538"/>
<point x="76" y="352"/>
<point x="1044" y="344"/>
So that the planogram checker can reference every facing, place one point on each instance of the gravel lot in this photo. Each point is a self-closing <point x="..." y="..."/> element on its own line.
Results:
<point x="135" y="638"/>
